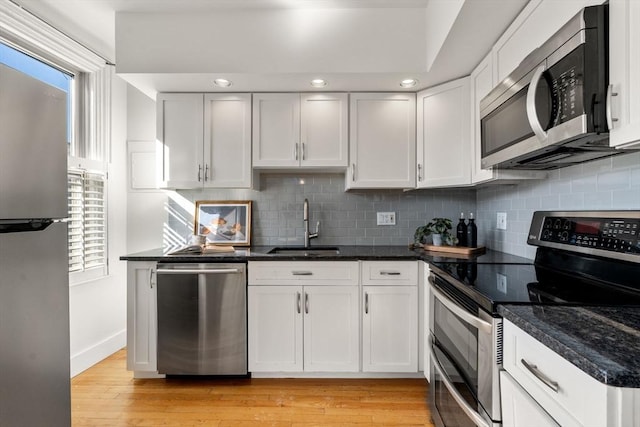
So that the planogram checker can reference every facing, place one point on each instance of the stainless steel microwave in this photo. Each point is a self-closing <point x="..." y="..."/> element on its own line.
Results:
<point x="551" y="111"/>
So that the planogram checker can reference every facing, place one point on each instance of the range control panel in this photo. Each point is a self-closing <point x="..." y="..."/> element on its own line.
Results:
<point x="609" y="234"/>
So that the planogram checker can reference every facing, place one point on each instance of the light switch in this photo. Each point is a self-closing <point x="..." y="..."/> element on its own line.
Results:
<point x="386" y="218"/>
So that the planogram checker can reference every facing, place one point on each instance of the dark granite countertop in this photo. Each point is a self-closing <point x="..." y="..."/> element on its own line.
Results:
<point x="346" y="253"/>
<point x="604" y="342"/>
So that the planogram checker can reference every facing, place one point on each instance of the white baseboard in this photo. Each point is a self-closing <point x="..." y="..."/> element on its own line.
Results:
<point x="87" y="358"/>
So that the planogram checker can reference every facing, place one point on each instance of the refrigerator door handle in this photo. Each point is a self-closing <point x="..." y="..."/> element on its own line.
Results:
<point x="25" y="226"/>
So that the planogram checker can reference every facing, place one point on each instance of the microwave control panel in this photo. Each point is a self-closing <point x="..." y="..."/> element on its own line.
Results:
<point x="610" y="234"/>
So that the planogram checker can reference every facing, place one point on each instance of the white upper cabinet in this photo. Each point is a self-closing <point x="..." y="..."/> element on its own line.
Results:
<point x="382" y="144"/>
<point x="624" y="72"/>
<point x="179" y="133"/>
<point x="293" y="130"/>
<point x="204" y="140"/>
<point x="443" y="135"/>
<point x="227" y="140"/>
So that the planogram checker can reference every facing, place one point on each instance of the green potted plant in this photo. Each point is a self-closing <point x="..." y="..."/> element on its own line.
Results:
<point x="438" y="229"/>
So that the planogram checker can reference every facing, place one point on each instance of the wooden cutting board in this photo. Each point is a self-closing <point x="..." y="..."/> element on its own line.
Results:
<point x="457" y="250"/>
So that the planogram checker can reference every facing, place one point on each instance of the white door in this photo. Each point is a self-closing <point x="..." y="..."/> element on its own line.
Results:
<point x="382" y="141"/>
<point x="443" y="135"/>
<point x="519" y="409"/>
<point x="624" y="72"/>
<point x="390" y="329"/>
<point x="331" y="329"/>
<point x="276" y="130"/>
<point x="275" y="328"/>
<point x="142" y="323"/>
<point x="227" y="140"/>
<point x="179" y="132"/>
<point x="324" y="124"/>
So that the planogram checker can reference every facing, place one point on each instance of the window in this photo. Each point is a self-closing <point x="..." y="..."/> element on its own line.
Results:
<point x="87" y="221"/>
<point x="87" y="138"/>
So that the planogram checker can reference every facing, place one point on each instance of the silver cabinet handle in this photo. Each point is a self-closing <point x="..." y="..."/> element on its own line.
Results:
<point x="299" y="297"/>
<point x="302" y="273"/>
<point x="532" y="114"/>
<point x="390" y="273"/>
<point x="419" y="172"/>
<point x="468" y="410"/>
<point x="199" y="172"/>
<point x="366" y="303"/>
<point x="472" y="320"/>
<point x="304" y="152"/>
<point x="206" y="172"/>
<point x="306" y="303"/>
<point x="151" y="272"/>
<point x="295" y="151"/>
<point x="353" y="171"/>
<point x="610" y="118"/>
<point x="553" y="385"/>
<point x="198" y="271"/>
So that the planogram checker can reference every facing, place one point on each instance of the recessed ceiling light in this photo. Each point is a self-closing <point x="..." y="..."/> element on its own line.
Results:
<point x="408" y="83"/>
<point x="222" y="82"/>
<point x="318" y="83"/>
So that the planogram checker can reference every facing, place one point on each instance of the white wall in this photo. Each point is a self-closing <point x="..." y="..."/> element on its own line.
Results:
<point x="97" y="309"/>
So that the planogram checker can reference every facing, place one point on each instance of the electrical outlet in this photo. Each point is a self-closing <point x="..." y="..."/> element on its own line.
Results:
<point x="501" y="283"/>
<point x="502" y="221"/>
<point x="386" y="218"/>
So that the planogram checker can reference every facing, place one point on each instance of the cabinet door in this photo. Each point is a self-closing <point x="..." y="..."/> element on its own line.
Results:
<point x="142" y="324"/>
<point x="276" y="130"/>
<point x="179" y="132"/>
<point x="390" y="329"/>
<point x="482" y="81"/>
<point x="443" y="135"/>
<point x="275" y="328"/>
<point x="227" y="140"/>
<point x="331" y="329"/>
<point x="382" y="145"/>
<point x="624" y="71"/>
<point x="518" y="407"/>
<point x="324" y="130"/>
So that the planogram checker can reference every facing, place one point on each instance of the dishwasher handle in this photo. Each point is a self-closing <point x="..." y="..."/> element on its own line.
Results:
<point x="198" y="271"/>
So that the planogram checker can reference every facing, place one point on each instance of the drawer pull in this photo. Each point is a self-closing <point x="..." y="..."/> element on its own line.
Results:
<point x="302" y="273"/>
<point x="553" y="385"/>
<point x="390" y="273"/>
<point x="299" y="310"/>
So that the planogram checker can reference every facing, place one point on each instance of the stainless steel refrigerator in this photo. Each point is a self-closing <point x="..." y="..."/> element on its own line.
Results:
<point x="34" y="285"/>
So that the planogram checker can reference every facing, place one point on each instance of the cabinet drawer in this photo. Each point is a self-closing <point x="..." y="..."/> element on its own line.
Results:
<point x="310" y="272"/>
<point x="385" y="273"/>
<point x="578" y="399"/>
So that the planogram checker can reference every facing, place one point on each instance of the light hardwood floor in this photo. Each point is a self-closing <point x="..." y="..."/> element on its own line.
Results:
<point x="107" y="395"/>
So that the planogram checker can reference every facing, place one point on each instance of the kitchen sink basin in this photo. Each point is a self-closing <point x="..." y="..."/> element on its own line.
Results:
<point x="301" y="250"/>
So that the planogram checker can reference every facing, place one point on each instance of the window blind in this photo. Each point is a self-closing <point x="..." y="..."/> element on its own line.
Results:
<point x="87" y="220"/>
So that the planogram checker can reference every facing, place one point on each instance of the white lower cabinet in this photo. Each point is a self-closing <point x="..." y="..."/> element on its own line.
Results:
<point x="549" y="384"/>
<point x="142" y="322"/>
<point x="518" y="407"/>
<point x="307" y="323"/>
<point x="390" y="316"/>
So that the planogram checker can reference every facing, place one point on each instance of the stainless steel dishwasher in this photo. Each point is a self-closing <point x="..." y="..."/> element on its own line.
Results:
<point x="202" y="319"/>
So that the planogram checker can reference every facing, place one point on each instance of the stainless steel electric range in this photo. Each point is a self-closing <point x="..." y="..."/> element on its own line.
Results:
<point x="583" y="258"/>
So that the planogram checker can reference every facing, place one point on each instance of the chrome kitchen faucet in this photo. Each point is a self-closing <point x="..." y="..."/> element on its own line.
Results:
<point x="305" y="216"/>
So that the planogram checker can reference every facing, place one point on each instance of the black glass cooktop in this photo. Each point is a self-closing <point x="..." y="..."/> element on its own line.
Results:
<point x="488" y="285"/>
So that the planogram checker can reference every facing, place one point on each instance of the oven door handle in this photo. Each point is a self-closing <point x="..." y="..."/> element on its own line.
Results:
<point x="468" y="410"/>
<point x="469" y="318"/>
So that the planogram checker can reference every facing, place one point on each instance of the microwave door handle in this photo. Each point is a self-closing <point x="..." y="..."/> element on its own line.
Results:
<point x="468" y="410"/>
<point x="470" y="319"/>
<point x="532" y="114"/>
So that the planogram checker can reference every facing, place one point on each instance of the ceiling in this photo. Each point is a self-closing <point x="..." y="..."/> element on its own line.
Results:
<point x="467" y="38"/>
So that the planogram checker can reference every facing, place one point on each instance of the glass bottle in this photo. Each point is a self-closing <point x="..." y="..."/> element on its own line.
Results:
<point x="461" y="231"/>
<point x="472" y="232"/>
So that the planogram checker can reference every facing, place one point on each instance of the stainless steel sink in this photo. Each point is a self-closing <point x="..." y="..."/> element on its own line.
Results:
<point x="303" y="251"/>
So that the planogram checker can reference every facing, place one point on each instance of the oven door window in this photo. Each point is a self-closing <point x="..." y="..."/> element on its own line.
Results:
<point x="460" y="342"/>
<point x="448" y="409"/>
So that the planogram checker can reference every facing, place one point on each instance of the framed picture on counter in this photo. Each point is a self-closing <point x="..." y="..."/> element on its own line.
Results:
<point x="226" y="222"/>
